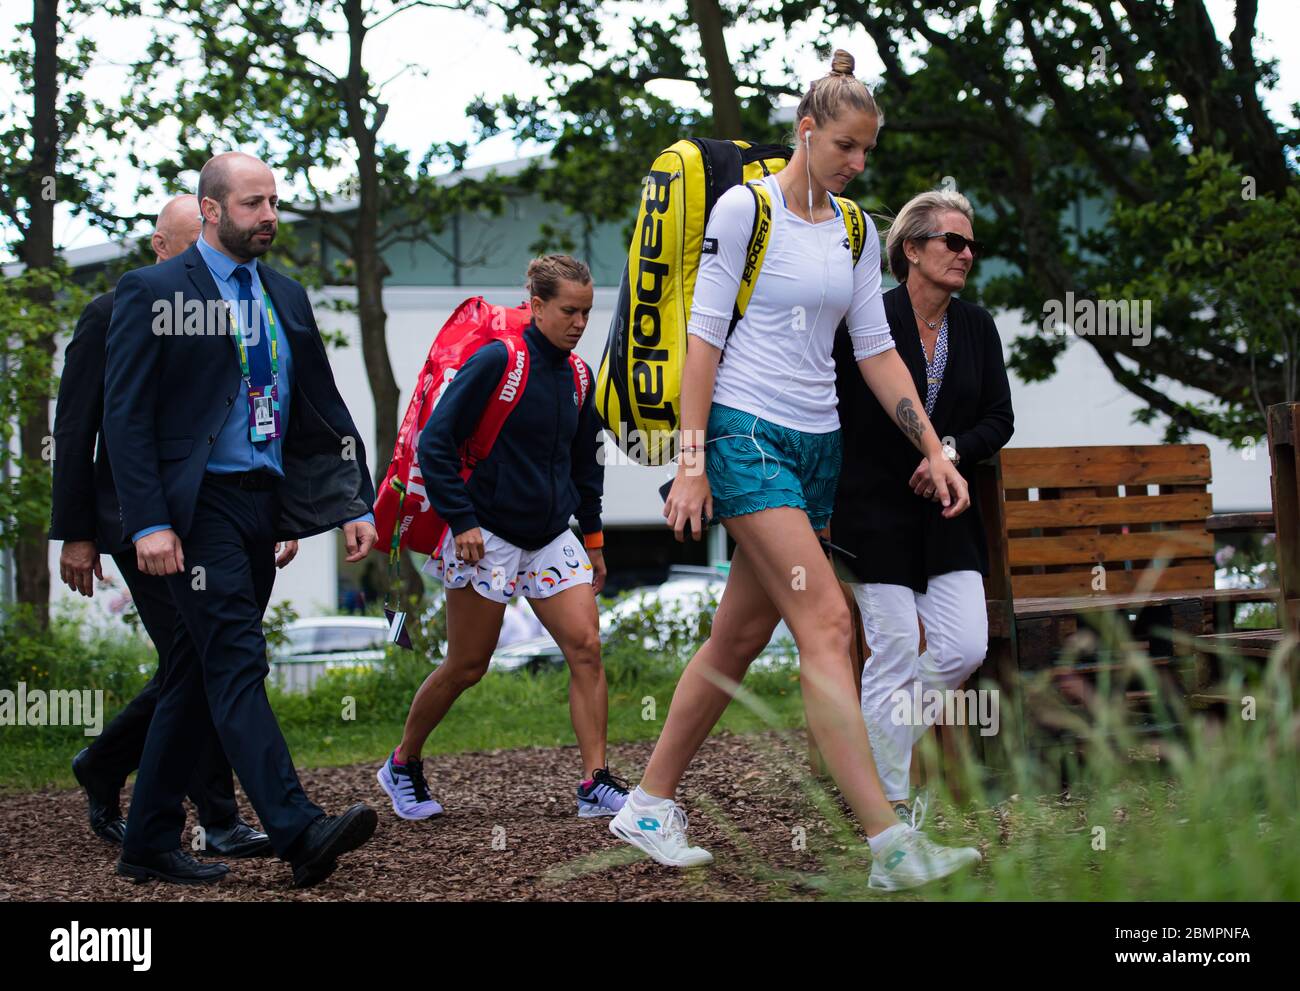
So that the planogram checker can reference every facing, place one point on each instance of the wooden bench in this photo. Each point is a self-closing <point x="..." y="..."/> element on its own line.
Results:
<point x="1222" y="656"/>
<point x="1098" y="554"/>
<point x="1117" y="539"/>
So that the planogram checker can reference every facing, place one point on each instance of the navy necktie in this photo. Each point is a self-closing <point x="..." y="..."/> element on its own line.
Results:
<point x="259" y="354"/>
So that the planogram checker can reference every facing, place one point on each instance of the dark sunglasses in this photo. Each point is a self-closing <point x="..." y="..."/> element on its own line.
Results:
<point x="956" y="242"/>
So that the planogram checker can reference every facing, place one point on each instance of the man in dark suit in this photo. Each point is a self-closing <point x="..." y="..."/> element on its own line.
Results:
<point x="227" y="434"/>
<point x="85" y="518"/>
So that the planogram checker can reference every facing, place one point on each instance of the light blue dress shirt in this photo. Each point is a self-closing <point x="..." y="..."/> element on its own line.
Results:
<point x="234" y="451"/>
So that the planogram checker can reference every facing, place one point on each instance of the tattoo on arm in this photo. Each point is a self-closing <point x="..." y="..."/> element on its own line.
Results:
<point x="909" y="422"/>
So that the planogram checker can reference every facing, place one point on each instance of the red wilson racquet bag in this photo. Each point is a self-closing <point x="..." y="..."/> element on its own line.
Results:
<point x="404" y="517"/>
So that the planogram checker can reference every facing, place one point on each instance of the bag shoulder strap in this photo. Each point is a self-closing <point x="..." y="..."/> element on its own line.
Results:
<point x="855" y="225"/>
<point x="760" y="236"/>
<point x="505" y="397"/>
<point x="581" y="378"/>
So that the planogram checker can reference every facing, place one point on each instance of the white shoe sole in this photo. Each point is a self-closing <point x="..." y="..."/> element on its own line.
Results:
<point x="594" y="812"/>
<point x="379" y="776"/>
<point x="635" y="838"/>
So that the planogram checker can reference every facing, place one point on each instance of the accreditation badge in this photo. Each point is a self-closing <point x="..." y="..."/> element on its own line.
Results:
<point x="263" y="413"/>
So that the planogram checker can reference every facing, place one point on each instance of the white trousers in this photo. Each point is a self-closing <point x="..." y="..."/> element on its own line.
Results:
<point x="956" y="640"/>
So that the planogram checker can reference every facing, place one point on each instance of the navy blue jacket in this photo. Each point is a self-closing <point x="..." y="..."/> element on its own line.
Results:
<point x="545" y="466"/>
<point x="84" y="502"/>
<point x="166" y="396"/>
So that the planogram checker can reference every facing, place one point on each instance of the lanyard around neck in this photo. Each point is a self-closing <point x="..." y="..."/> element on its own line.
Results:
<point x="243" y="350"/>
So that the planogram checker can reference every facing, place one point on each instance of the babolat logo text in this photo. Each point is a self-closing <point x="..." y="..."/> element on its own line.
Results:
<point x="77" y="945"/>
<point x="854" y="221"/>
<point x="512" y="380"/>
<point x="757" y="242"/>
<point x="648" y="303"/>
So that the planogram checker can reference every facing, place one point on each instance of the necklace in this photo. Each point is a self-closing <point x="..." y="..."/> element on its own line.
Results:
<point x="931" y="324"/>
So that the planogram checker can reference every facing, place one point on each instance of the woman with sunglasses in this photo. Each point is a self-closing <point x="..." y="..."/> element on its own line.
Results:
<point x="904" y="557"/>
<point x="761" y="450"/>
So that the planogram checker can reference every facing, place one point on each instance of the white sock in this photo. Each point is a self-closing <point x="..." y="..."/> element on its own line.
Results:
<point x="642" y="797"/>
<point x="882" y="840"/>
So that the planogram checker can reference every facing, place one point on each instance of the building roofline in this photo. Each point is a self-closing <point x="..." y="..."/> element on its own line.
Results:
<point x="110" y="251"/>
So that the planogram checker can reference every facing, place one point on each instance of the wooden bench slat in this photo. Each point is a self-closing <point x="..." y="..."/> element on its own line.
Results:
<point x="1037" y="476"/>
<point x="1108" y="548"/>
<point x="1240" y="523"/>
<point x="1101" y="511"/>
<point x="1178" y="454"/>
<point x="1186" y="577"/>
<point x="1034" y="606"/>
<point x="1257" y="640"/>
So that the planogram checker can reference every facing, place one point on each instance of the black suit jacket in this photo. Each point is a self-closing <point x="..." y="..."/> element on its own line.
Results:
<point x="166" y="396"/>
<point x="84" y="501"/>
<point x="898" y="537"/>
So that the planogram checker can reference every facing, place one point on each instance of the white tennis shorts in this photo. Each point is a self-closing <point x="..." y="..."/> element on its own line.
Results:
<point x="506" y="570"/>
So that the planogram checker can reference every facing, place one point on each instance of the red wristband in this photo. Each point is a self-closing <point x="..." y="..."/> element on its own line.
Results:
<point x="593" y="541"/>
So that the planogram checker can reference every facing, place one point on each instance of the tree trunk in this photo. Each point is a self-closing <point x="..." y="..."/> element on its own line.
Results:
<point x="722" y="80"/>
<point x="31" y="556"/>
<point x="371" y="269"/>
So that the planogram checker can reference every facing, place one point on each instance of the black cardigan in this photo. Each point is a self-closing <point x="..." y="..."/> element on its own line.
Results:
<point x="898" y="537"/>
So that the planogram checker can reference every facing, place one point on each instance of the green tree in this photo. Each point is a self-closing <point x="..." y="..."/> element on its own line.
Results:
<point x="1037" y="110"/>
<point x="601" y="122"/>
<point x="46" y="133"/>
<point x="260" y="79"/>
<point x="1140" y="111"/>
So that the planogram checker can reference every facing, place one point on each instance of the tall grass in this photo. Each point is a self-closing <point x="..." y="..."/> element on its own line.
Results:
<point x="1098" y="810"/>
<point x="1207" y="812"/>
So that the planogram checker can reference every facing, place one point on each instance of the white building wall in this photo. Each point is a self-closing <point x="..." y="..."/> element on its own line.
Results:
<point x="1080" y="405"/>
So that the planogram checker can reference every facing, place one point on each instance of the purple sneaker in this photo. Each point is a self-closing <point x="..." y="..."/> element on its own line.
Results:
<point x="604" y="796"/>
<point x="405" y="785"/>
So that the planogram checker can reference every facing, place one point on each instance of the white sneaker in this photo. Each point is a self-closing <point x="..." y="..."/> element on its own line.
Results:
<point x="659" y="831"/>
<point x="913" y="859"/>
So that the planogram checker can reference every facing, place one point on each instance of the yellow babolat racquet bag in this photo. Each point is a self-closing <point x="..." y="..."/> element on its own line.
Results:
<point x="638" y="387"/>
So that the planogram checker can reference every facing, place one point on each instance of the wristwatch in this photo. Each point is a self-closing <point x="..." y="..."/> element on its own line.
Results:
<point x="950" y="453"/>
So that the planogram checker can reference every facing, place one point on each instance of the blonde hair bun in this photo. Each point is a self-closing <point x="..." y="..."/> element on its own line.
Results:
<point x="842" y="62"/>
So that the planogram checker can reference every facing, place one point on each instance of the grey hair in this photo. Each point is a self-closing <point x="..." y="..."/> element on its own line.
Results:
<point x="918" y="218"/>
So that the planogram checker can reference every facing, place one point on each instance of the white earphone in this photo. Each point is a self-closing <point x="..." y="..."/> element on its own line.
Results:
<point x="807" y="164"/>
<point x="807" y="143"/>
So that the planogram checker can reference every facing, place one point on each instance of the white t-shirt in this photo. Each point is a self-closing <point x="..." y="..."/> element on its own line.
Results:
<point x="771" y="368"/>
